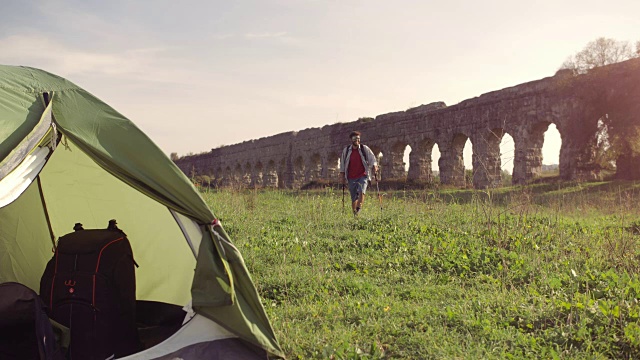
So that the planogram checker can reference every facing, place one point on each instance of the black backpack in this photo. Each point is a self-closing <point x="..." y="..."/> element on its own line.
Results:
<point x="90" y="287"/>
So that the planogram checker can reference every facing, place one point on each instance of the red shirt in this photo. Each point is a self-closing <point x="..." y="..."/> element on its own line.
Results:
<point x="356" y="167"/>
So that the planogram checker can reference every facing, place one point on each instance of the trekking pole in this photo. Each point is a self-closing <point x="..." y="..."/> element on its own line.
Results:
<point x="378" y="190"/>
<point x="343" y="198"/>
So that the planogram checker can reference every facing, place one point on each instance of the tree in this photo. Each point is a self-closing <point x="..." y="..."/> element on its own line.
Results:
<point x="599" y="52"/>
<point x="617" y="139"/>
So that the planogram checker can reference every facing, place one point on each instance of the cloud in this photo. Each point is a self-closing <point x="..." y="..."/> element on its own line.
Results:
<point x="264" y="35"/>
<point x="153" y="64"/>
<point x="222" y="36"/>
<point x="281" y="37"/>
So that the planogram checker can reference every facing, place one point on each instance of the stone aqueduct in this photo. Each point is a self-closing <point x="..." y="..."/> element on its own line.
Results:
<point x="573" y="103"/>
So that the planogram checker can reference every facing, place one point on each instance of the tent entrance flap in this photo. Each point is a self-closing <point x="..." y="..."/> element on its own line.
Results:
<point x="14" y="184"/>
<point x="78" y="190"/>
<point x="190" y="229"/>
<point x="28" y="143"/>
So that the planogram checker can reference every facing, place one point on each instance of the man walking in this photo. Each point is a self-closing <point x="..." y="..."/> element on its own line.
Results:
<point x="355" y="165"/>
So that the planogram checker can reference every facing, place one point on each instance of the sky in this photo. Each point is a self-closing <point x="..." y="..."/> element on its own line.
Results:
<point x="195" y="75"/>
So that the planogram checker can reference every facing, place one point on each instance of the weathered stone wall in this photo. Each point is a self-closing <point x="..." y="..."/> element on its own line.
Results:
<point x="524" y="111"/>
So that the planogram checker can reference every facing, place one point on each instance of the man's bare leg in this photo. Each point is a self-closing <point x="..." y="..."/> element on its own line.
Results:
<point x="358" y="203"/>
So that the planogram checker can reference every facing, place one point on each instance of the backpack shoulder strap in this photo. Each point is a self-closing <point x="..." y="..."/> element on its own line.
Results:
<point x="364" y="156"/>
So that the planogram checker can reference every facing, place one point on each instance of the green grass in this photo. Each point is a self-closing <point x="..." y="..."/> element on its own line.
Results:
<point x="545" y="271"/>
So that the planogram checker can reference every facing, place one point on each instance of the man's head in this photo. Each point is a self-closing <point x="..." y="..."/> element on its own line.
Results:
<point x="355" y="137"/>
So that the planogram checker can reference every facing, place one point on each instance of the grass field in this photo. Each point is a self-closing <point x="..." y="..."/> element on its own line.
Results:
<point x="547" y="271"/>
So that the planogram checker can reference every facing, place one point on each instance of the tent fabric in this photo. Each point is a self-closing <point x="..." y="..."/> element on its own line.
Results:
<point x="197" y="330"/>
<point x="21" y="107"/>
<point x="104" y="165"/>
<point x="215" y="350"/>
<point x="25" y="241"/>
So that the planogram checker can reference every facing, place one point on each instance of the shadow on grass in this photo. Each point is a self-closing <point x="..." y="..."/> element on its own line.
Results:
<point x="540" y="193"/>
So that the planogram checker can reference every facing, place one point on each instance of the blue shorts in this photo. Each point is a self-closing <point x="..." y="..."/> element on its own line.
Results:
<point x="357" y="186"/>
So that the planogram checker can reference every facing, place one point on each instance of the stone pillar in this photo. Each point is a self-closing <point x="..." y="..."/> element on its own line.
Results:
<point x="257" y="177"/>
<point x="227" y="177"/>
<point x="246" y="179"/>
<point x="237" y="176"/>
<point x="577" y="160"/>
<point x="313" y="168"/>
<point x="270" y="177"/>
<point x="451" y="161"/>
<point x="420" y="164"/>
<point x="245" y="176"/>
<point x="215" y="177"/>
<point x="330" y="168"/>
<point x="393" y="164"/>
<point x="297" y="172"/>
<point x="518" y="177"/>
<point x="284" y="179"/>
<point x="446" y="165"/>
<point x="286" y="176"/>
<point x="527" y="164"/>
<point x="457" y="170"/>
<point x="486" y="160"/>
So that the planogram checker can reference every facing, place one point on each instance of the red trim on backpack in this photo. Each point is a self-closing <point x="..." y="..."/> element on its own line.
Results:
<point x="93" y="292"/>
<point x="53" y="282"/>
<point x="93" y="298"/>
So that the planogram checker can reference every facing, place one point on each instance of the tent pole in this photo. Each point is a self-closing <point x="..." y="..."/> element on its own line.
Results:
<point x="46" y="213"/>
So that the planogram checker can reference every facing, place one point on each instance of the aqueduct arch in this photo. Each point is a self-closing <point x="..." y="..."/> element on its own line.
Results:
<point x="573" y="103"/>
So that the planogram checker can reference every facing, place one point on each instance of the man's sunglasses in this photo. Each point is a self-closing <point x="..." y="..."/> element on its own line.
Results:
<point x="355" y="138"/>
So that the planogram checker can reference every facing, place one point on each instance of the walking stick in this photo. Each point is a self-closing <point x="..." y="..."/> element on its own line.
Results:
<point x="375" y="175"/>
<point x="343" y="198"/>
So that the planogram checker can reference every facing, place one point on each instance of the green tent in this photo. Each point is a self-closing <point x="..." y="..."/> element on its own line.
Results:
<point x="66" y="157"/>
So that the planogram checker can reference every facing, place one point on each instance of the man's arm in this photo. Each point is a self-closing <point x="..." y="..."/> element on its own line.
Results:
<point x="342" y="167"/>
<point x="371" y="158"/>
